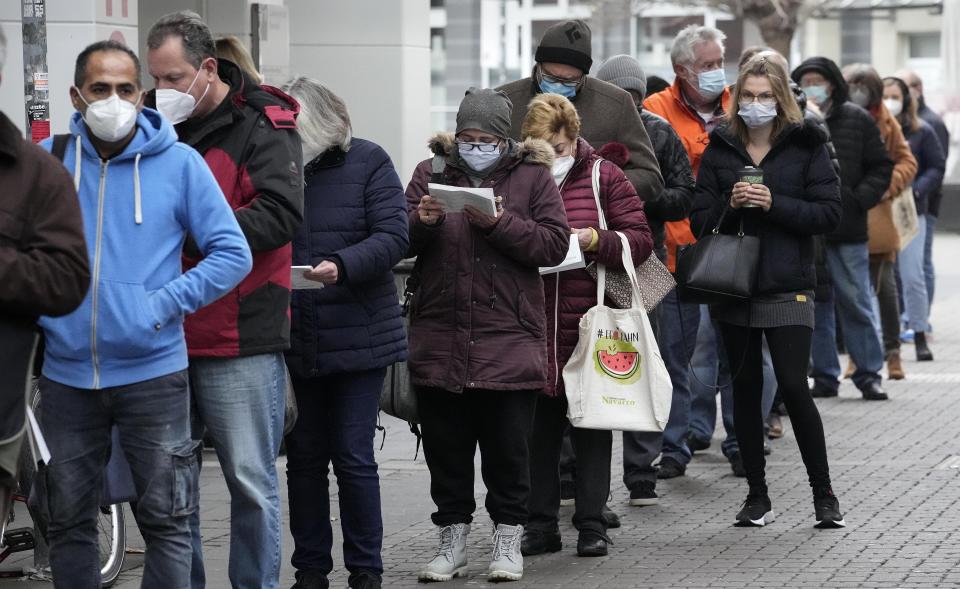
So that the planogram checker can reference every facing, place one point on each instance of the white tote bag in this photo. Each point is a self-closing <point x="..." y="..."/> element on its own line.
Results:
<point x="615" y="378"/>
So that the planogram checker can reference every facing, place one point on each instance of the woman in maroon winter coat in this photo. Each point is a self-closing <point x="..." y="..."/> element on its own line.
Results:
<point x="568" y="296"/>
<point x="477" y="331"/>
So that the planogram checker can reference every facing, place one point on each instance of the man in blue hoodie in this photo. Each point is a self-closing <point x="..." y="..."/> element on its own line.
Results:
<point x="121" y="357"/>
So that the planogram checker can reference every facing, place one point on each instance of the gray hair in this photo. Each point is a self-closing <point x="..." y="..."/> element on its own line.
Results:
<point x="198" y="43"/>
<point x="323" y="122"/>
<point x="3" y="49"/>
<point x="682" y="51"/>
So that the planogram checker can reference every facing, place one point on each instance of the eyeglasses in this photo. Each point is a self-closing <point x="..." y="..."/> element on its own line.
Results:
<point x="481" y="147"/>
<point x="564" y="81"/>
<point x="766" y="99"/>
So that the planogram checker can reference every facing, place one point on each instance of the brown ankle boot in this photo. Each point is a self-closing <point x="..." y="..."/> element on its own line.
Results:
<point x="894" y="366"/>
<point x="851" y="368"/>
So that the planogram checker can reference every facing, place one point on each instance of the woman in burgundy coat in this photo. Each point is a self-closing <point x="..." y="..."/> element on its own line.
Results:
<point x="568" y="295"/>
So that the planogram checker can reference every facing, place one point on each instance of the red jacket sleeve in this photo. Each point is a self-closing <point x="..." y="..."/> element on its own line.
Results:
<point x="624" y="213"/>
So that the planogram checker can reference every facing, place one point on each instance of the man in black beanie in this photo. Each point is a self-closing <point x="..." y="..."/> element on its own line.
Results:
<point x="607" y="113"/>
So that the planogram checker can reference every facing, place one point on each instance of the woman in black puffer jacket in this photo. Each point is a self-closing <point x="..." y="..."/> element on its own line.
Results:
<point x="800" y="198"/>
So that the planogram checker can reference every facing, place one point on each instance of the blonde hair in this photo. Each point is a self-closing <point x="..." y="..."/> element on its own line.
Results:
<point x="788" y="112"/>
<point x="231" y="49"/>
<point x="548" y="115"/>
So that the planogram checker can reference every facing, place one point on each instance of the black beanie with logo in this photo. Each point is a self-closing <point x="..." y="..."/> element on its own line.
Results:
<point x="567" y="43"/>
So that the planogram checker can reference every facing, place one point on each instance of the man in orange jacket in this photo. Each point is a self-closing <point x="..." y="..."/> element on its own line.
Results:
<point x="694" y="105"/>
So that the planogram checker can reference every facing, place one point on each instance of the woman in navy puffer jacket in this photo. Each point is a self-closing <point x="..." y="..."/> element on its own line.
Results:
<point x="343" y="337"/>
<point x="568" y="296"/>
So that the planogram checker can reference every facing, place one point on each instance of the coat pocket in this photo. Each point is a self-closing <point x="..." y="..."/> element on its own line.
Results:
<point x="533" y="320"/>
<point x="126" y="327"/>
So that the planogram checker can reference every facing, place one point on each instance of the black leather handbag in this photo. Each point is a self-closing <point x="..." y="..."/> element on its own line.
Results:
<point x="718" y="268"/>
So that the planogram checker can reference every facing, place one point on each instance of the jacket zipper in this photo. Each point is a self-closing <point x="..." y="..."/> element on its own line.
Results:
<point x="96" y="274"/>
<point x="556" y="328"/>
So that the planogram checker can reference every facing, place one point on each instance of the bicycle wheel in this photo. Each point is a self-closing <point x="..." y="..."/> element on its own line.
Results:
<point x="112" y="537"/>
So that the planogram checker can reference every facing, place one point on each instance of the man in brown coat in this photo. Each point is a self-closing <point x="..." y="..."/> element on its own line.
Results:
<point x="607" y="113"/>
<point x="43" y="271"/>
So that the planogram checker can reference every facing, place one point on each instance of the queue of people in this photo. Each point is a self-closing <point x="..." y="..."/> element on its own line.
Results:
<point x="175" y="219"/>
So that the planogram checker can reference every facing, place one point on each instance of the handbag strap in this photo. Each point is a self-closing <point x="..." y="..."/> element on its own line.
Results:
<point x="626" y="255"/>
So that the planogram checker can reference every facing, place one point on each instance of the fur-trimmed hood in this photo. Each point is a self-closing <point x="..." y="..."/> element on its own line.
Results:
<point x="530" y="151"/>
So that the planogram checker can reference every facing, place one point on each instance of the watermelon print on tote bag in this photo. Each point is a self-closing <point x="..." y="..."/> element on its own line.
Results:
<point x="615" y="378"/>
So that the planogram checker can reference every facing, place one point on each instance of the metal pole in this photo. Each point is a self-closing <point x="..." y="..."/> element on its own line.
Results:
<point x="36" y="89"/>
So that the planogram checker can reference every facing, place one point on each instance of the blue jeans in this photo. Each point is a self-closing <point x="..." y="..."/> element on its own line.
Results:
<point x="678" y="324"/>
<point x="241" y="403"/>
<point x="910" y="262"/>
<point x="336" y="424"/>
<point x="825" y="364"/>
<point x="849" y="267"/>
<point x="153" y="418"/>
<point x="928" y="271"/>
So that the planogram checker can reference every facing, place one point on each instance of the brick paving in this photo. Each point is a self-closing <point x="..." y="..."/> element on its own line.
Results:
<point x="890" y="463"/>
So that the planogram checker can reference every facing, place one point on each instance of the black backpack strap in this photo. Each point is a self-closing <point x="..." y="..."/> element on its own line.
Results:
<point x="59" y="149"/>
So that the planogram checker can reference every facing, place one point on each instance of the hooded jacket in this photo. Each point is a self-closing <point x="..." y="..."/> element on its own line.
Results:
<point x="674" y="202"/>
<point x="806" y="202"/>
<point x="251" y="144"/>
<point x="569" y="295"/>
<point x="865" y="165"/>
<point x="356" y="216"/>
<point x="607" y="114"/>
<point x="138" y="207"/>
<point x="477" y="317"/>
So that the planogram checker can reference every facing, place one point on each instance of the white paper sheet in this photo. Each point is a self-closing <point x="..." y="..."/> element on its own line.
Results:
<point x="573" y="260"/>
<point x="454" y="198"/>
<point x="298" y="282"/>
<point x="39" y="445"/>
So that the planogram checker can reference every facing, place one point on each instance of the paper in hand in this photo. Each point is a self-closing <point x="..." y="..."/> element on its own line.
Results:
<point x="573" y="260"/>
<point x="298" y="282"/>
<point x="454" y="198"/>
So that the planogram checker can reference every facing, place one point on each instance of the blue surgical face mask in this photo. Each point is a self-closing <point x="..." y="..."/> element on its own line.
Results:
<point x="476" y="159"/>
<point x="557" y="88"/>
<point x="712" y="83"/>
<point x="817" y="94"/>
<point x="756" y="115"/>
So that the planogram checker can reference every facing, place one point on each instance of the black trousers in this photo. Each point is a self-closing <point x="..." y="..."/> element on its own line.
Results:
<point x="790" y="353"/>
<point x="592" y="475"/>
<point x="883" y="278"/>
<point x="453" y="425"/>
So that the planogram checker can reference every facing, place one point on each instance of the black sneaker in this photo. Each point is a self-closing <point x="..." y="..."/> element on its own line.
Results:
<point x="568" y="492"/>
<point x="736" y="465"/>
<point x="644" y="494"/>
<point x="827" y="508"/>
<point x="310" y="580"/>
<point x="697" y="444"/>
<point x="756" y="511"/>
<point x="873" y="392"/>
<point x="819" y="391"/>
<point x="536" y="542"/>
<point x="365" y="580"/>
<point x="613" y="520"/>
<point x="670" y="469"/>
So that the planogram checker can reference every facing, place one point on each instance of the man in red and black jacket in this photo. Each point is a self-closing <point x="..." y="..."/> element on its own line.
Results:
<point x="247" y="135"/>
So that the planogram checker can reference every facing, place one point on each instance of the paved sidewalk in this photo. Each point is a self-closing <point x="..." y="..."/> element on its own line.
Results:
<point x="891" y="464"/>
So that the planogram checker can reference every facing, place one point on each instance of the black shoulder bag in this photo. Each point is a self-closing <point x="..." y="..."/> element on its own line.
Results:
<point x="718" y="268"/>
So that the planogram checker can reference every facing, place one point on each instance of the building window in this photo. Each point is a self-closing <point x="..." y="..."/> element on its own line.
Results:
<point x="924" y="45"/>
<point x="855" y="39"/>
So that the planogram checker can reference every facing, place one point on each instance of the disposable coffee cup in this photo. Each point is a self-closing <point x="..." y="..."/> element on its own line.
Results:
<point x="750" y="175"/>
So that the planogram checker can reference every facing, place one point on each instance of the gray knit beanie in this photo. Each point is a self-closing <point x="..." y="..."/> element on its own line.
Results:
<point x="625" y="72"/>
<point x="486" y="110"/>
<point x="567" y="43"/>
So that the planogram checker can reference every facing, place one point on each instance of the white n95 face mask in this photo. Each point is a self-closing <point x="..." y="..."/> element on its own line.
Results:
<point x="177" y="106"/>
<point x="110" y="119"/>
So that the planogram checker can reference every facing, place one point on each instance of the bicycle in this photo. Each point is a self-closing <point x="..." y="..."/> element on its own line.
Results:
<point x="110" y="523"/>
